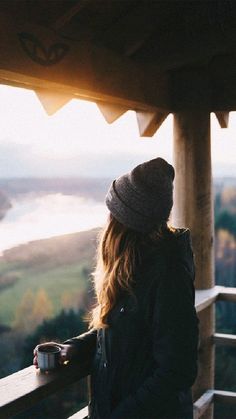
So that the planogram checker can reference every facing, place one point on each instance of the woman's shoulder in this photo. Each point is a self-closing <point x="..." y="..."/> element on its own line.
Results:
<point x="180" y="251"/>
<point x="178" y="238"/>
<point x="175" y="249"/>
<point x="174" y="245"/>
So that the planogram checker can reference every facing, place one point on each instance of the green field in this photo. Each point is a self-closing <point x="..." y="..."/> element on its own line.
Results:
<point x="60" y="266"/>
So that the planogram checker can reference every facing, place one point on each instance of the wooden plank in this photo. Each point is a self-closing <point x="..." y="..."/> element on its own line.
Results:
<point x="228" y="397"/>
<point x="224" y="339"/>
<point x="204" y="298"/>
<point x="217" y="81"/>
<point x="223" y="119"/>
<point x="202" y="404"/>
<point x="71" y="12"/>
<point x="82" y="414"/>
<point x="111" y="112"/>
<point x="205" y="38"/>
<point x="34" y="56"/>
<point x="52" y="101"/>
<point x="130" y="31"/>
<point x="222" y="75"/>
<point x="227" y="294"/>
<point x="27" y="387"/>
<point x="149" y="122"/>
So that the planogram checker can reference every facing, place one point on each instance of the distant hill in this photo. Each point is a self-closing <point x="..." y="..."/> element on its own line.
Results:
<point x="5" y="204"/>
<point x="93" y="188"/>
<point x="61" y="266"/>
<point x="61" y="250"/>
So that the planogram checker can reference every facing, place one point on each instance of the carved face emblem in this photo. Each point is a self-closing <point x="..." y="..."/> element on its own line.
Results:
<point x="40" y="54"/>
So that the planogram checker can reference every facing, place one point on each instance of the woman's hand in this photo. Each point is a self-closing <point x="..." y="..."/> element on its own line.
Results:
<point x="67" y="353"/>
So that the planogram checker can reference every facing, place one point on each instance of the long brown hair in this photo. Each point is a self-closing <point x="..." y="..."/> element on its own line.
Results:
<point x="117" y="258"/>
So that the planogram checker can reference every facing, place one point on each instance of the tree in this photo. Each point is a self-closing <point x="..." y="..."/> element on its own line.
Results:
<point x="62" y="327"/>
<point x="226" y="221"/>
<point x="42" y="307"/>
<point x="32" y="310"/>
<point x="66" y="402"/>
<point x="23" y="317"/>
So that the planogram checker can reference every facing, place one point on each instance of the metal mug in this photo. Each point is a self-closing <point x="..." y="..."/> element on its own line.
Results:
<point x="48" y="356"/>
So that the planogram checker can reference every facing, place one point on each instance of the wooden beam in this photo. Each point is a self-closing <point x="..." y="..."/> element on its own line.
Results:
<point x="111" y="112"/>
<point x="204" y="298"/>
<point x="130" y="31"/>
<point x="223" y="119"/>
<point x="222" y="76"/>
<point x="209" y="36"/>
<point x="208" y="397"/>
<point x="203" y="403"/>
<point x="27" y="387"/>
<point x="227" y="294"/>
<point x="193" y="188"/>
<point x="149" y="122"/>
<point x="32" y="56"/>
<point x="218" y="82"/>
<point x="52" y="101"/>
<point x="224" y="339"/>
<point x="193" y="208"/>
<point x="190" y="90"/>
<point x="73" y="11"/>
<point x="82" y="414"/>
<point x="228" y="397"/>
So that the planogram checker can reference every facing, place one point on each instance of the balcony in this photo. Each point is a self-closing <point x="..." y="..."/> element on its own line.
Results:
<point x="27" y="387"/>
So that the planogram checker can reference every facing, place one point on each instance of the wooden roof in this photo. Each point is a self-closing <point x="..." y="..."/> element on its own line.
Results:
<point x="154" y="57"/>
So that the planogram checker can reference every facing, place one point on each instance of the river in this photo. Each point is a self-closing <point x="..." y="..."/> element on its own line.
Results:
<point x="34" y="217"/>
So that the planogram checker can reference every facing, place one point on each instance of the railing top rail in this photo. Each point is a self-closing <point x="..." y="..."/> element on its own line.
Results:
<point x="28" y="386"/>
<point x="228" y="397"/>
<point x="227" y="293"/>
<point x="205" y="298"/>
<point x="202" y="404"/>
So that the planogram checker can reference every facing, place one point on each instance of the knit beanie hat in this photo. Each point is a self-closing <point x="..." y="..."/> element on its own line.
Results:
<point x="143" y="198"/>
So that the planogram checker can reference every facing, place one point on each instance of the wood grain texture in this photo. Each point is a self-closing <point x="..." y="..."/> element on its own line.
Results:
<point x="223" y="119"/>
<point x="149" y="122"/>
<point x="82" y="414"/>
<point x="28" y="386"/>
<point x="203" y="403"/>
<point x="224" y="339"/>
<point x="35" y="56"/>
<point x="228" y="397"/>
<point x="227" y="294"/>
<point x="204" y="298"/>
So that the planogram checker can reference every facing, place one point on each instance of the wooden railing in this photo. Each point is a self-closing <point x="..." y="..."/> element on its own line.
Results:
<point x="204" y="298"/>
<point x="209" y="397"/>
<point x="27" y="387"/>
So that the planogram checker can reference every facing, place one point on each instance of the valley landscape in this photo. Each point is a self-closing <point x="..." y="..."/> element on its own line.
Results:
<point x="46" y="284"/>
<point x="59" y="266"/>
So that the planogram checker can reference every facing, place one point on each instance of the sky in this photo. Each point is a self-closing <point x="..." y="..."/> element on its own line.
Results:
<point x="77" y="141"/>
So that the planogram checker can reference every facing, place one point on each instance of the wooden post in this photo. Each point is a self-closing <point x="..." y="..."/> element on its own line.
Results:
<point x="193" y="208"/>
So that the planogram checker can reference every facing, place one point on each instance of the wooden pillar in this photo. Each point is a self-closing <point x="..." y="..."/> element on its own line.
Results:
<point x="193" y="208"/>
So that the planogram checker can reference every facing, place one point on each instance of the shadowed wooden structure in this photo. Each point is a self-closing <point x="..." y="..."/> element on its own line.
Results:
<point x="156" y="58"/>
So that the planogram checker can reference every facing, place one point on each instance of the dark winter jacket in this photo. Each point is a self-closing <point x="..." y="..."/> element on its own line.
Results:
<point x="143" y="365"/>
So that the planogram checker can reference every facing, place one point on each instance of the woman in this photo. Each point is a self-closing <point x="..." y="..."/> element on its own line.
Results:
<point x="141" y="348"/>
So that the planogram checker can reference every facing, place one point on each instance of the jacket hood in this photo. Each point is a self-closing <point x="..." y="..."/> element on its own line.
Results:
<point x="183" y="244"/>
<point x="178" y="243"/>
